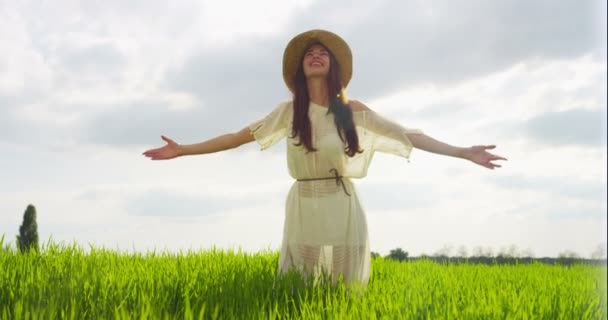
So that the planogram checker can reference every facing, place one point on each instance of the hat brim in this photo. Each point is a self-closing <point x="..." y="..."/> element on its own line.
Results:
<point x="294" y="53"/>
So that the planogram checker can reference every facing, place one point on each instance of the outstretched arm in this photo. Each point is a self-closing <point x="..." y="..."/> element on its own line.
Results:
<point x="426" y="143"/>
<point x="476" y="154"/>
<point x="220" y="143"/>
<point x="224" y="142"/>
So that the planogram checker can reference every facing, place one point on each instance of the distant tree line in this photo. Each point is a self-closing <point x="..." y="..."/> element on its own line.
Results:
<point x="28" y="240"/>
<point x="509" y="255"/>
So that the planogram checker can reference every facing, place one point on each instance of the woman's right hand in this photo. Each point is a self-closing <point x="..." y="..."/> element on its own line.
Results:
<point x="169" y="151"/>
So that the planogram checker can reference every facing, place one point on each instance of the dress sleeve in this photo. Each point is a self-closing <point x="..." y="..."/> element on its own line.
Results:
<point x="383" y="135"/>
<point x="272" y="128"/>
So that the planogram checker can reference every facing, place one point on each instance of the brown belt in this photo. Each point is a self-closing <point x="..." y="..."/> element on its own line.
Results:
<point x="336" y="176"/>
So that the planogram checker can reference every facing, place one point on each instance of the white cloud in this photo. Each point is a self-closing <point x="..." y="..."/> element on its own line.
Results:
<point x="225" y="23"/>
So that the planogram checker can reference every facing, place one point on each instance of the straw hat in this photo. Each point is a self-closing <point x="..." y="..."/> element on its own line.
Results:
<point x="294" y="53"/>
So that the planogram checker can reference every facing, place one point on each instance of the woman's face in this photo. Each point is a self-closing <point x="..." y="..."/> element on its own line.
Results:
<point x="316" y="61"/>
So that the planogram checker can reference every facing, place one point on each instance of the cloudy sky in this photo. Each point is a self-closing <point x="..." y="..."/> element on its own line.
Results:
<point x="87" y="86"/>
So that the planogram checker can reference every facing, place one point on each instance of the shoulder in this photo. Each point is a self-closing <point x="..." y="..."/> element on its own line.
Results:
<point x="284" y="106"/>
<point x="356" y="106"/>
<point x="281" y="110"/>
<point x="287" y="105"/>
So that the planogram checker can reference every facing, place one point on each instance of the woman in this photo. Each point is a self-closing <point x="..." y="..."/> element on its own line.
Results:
<point x="329" y="141"/>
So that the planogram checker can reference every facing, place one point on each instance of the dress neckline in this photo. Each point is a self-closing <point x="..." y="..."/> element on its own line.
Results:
<point x="318" y="105"/>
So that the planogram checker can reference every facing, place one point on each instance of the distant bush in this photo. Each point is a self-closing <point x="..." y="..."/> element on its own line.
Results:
<point x="397" y="254"/>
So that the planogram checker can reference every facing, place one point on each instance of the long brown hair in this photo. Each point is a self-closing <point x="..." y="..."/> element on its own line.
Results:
<point x="343" y="116"/>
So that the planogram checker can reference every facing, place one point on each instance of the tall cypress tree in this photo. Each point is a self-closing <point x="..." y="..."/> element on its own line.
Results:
<point x="28" y="232"/>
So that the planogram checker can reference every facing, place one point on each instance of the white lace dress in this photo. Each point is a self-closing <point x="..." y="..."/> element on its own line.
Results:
<point x="325" y="229"/>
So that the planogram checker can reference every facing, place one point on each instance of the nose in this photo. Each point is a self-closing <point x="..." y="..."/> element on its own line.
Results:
<point x="315" y="54"/>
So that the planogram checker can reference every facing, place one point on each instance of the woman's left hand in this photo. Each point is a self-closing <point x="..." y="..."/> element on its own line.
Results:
<point x="480" y="156"/>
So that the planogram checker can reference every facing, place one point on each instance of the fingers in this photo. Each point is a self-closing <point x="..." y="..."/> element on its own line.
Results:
<point x="495" y="157"/>
<point x="150" y="154"/>
<point x="167" y="140"/>
<point x="488" y="164"/>
<point x="156" y="156"/>
<point x="153" y="153"/>
<point x="492" y="146"/>
<point x="159" y="154"/>
<point x="491" y="165"/>
<point x="150" y="151"/>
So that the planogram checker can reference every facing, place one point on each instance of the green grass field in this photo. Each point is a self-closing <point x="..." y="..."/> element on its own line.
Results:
<point x="69" y="282"/>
